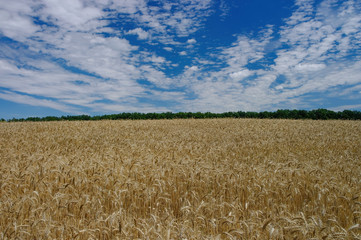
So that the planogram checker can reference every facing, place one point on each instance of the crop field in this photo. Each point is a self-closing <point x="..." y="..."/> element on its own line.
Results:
<point x="181" y="179"/>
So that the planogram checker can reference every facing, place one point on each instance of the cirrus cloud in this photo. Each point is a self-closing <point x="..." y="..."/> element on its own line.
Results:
<point x="82" y="56"/>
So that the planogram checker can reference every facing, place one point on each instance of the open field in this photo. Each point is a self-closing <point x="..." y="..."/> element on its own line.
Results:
<point x="181" y="179"/>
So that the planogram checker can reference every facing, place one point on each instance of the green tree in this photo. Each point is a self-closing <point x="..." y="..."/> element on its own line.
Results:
<point x="265" y="115"/>
<point x="251" y="115"/>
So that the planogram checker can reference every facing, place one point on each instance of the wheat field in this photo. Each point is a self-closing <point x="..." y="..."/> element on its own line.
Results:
<point x="181" y="179"/>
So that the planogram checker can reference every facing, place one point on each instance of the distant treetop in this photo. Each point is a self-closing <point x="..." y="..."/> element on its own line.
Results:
<point x="319" y="114"/>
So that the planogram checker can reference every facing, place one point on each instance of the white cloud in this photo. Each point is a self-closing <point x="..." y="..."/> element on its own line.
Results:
<point x="169" y="49"/>
<point x="15" y="19"/>
<point x="106" y="57"/>
<point x="51" y="81"/>
<point x="128" y="7"/>
<point x="317" y="49"/>
<point x="240" y="74"/>
<point x="142" y="35"/>
<point x="28" y="100"/>
<point x="191" y="41"/>
<point x="346" y="107"/>
<point x="167" y="19"/>
<point x="193" y="68"/>
<point x="224" y="7"/>
<point x="247" y="50"/>
<point x="311" y="60"/>
<point x="309" y="67"/>
<point x="116" y="64"/>
<point x="72" y="14"/>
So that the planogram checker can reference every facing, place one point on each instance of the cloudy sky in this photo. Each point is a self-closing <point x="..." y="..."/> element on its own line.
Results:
<point x="60" y="57"/>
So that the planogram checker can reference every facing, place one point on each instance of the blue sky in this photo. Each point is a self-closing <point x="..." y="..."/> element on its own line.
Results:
<point x="60" y="57"/>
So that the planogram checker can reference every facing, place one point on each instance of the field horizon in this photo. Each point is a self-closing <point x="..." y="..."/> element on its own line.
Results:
<point x="181" y="179"/>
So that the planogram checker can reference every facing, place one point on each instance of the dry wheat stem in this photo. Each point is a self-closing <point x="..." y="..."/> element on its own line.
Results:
<point x="181" y="179"/>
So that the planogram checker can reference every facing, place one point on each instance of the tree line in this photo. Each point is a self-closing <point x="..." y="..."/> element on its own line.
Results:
<point x="319" y="114"/>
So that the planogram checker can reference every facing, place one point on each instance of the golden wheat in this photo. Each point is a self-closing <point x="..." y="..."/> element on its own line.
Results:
<point x="181" y="179"/>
